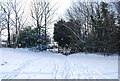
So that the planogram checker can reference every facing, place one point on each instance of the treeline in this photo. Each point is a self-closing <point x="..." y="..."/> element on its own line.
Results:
<point x="90" y="27"/>
<point x="26" y="31"/>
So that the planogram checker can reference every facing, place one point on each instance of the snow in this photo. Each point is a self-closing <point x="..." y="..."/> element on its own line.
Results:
<point x="24" y="64"/>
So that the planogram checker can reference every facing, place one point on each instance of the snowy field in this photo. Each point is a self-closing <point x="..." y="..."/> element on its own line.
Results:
<point x="24" y="64"/>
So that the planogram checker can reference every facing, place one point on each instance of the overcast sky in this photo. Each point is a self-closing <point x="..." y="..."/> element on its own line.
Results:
<point x="62" y="5"/>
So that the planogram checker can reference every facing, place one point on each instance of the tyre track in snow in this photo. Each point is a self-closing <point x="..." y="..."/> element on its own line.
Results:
<point x="78" y="71"/>
<point x="59" y="69"/>
<point x="96" y="72"/>
<point x="71" y="70"/>
<point x="86" y="71"/>
<point x="55" y="71"/>
<point x="17" y="71"/>
<point x="68" y="70"/>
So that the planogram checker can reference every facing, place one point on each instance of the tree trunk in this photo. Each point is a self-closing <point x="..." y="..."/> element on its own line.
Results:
<point x="45" y="30"/>
<point x="8" y="26"/>
<point x="16" y="36"/>
<point x="0" y="39"/>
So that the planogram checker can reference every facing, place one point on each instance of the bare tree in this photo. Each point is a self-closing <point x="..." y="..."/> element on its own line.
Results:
<point x="6" y="6"/>
<point x="18" y="9"/>
<point x="49" y="11"/>
<point x="37" y="14"/>
<point x="2" y="22"/>
<point x="42" y="12"/>
<point x="81" y="12"/>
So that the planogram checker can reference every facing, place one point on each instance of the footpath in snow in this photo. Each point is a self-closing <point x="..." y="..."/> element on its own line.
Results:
<point x="24" y="64"/>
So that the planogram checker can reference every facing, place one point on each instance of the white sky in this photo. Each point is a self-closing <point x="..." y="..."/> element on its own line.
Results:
<point x="62" y="5"/>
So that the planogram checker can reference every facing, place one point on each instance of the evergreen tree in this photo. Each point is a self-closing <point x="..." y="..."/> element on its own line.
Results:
<point x="105" y="30"/>
<point x="61" y="34"/>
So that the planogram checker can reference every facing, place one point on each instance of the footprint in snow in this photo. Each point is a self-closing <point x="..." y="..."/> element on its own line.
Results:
<point x="4" y="63"/>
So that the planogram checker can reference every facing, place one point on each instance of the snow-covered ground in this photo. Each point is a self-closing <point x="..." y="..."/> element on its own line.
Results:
<point x="24" y="64"/>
